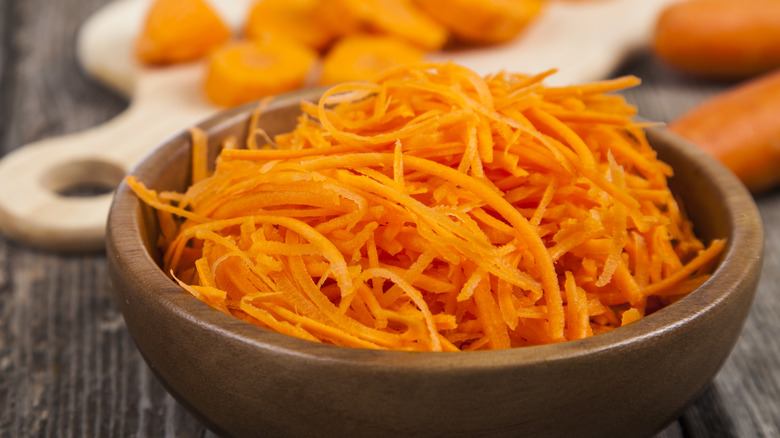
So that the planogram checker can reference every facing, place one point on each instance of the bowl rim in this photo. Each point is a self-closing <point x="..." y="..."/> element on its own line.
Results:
<point x="740" y="266"/>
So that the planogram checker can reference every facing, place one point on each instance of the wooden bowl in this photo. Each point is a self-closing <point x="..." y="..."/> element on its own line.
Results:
<point x="242" y="380"/>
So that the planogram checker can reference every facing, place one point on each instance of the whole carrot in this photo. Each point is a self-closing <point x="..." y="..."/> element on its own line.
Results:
<point x="741" y="128"/>
<point x="720" y="38"/>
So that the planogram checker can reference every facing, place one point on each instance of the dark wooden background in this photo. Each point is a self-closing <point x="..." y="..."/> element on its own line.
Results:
<point x="68" y="367"/>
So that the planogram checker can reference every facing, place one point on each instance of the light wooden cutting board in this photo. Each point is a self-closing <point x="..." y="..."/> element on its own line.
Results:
<point x="585" y="40"/>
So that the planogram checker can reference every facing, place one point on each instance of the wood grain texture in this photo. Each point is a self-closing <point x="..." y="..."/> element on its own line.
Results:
<point x="68" y="367"/>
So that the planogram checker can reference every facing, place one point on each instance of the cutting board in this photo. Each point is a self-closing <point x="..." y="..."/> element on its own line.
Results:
<point x="585" y="40"/>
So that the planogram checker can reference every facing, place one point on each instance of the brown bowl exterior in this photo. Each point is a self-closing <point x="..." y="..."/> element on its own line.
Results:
<point x="243" y="380"/>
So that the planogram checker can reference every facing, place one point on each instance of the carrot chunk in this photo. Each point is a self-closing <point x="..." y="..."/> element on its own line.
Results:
<point x="179" y="31"/>
<point x="360" y="57"/>
<point x="400" y="18"/>
<point x="243" y="71"/>
<point x="300" y="20"/>
<point x="483" y="21"/>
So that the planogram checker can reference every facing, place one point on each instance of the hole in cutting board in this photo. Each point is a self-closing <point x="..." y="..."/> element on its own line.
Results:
<point x="83" y="178"/>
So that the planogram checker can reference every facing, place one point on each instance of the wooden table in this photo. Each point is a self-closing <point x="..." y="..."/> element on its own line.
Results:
<point x="67" y="364"/>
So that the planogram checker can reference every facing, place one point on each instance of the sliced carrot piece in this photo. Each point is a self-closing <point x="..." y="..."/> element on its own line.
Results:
<point x="361" y="57"/>
<point x="299" y="20"/>
<point x="399" y="18"/>
<point x="243" y="71"/>
<point x="179" y="31"/>
<point x="484" y="21"/>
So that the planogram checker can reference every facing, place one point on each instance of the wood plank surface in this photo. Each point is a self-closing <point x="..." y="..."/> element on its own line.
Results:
<point x="68" y="367"/>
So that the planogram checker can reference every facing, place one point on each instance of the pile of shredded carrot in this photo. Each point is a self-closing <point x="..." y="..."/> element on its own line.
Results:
<point x="435" y="209"/>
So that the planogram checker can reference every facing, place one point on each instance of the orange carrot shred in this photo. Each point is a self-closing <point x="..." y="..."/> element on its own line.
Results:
<point x="433" y="209"/>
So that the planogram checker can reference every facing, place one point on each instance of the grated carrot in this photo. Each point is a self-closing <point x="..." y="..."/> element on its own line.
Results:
<point x="433" y="209"/>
